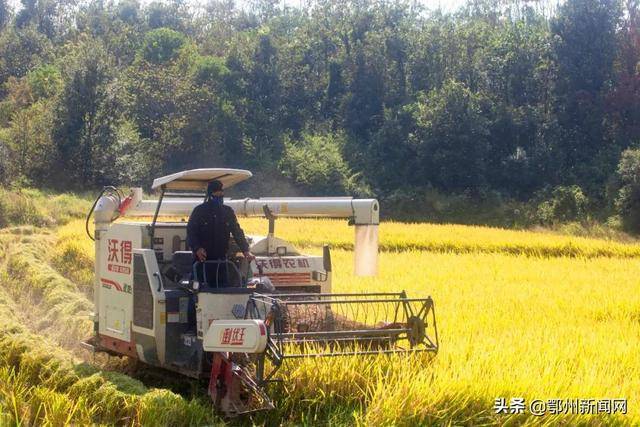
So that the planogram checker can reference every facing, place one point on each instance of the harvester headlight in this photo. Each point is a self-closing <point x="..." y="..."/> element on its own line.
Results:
<point x="318" y="276"/>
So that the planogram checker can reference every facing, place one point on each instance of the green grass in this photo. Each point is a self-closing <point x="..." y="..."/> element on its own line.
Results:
<point x="40" y="208"/>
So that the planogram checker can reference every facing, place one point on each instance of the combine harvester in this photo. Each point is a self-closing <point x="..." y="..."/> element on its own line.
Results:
<point x="149" y="306"/>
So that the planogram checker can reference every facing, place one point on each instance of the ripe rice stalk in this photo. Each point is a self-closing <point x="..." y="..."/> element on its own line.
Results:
<point x="520" y="314"/>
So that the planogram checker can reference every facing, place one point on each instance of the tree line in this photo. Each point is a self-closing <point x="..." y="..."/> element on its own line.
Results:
<point x="500" y="102"/>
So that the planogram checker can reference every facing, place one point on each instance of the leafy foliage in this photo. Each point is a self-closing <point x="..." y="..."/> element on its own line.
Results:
<point x="162" y="45"/>
<point x="452" y="140"/>
<point x="495" y="102"/>
<point x="566" y="204"/>
<point x="628" y="200"/>
<point x="316" y="162"/>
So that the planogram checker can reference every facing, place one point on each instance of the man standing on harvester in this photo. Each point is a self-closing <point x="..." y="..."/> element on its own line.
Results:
<point x="208" y="235"/>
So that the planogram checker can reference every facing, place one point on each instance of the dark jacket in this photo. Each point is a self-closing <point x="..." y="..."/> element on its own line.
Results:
<point x="209" y="227"/>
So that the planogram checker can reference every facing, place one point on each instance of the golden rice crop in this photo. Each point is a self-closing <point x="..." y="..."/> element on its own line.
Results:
<point x="510" y="326"/>
<point x="534" y="325"/>
<point x="396" y="236"/>
<point x="453" y="238"/>
<point x="520" y="314"/>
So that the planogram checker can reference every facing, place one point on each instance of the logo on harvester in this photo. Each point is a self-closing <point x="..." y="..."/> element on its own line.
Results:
<point x="232" y="336"/>
<point x="283" y="263"/>
<point x="119" y="256"/>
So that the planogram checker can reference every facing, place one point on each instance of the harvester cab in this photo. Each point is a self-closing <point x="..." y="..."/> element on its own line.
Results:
<point x="152" y="305"/>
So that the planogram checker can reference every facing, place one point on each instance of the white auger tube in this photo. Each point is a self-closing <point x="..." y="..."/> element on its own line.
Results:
<point x="364" y="214"/>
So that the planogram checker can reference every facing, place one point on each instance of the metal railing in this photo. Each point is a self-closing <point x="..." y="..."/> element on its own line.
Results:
<point x="218" y="264"/>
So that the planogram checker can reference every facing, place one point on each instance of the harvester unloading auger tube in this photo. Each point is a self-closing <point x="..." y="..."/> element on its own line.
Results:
<point x="236" y="334"/>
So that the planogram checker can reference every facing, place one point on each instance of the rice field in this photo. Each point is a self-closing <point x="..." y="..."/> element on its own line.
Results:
<point x="520" y="315"/>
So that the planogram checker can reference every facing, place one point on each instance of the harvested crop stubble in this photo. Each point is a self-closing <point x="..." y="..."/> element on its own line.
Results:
<point x="42" y="384"/>
<point x="48" y="299"/>
<point x="49" y="388"/>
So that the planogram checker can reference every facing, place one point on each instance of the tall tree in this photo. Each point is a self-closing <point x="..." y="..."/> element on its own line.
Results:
<point x="86" y="119"/>
<point x="585" y="31"/>
<point x="453" y="138"/>
<point x="264" y="93"/>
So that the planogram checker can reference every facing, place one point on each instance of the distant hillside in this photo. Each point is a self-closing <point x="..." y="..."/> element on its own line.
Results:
<point x="498" y="103"/>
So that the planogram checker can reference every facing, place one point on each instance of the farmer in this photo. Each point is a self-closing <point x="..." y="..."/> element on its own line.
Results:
<point x="208" y="235"/>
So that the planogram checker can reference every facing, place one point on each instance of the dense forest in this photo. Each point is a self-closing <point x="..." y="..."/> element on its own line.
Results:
<point x="530" y="107"/>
